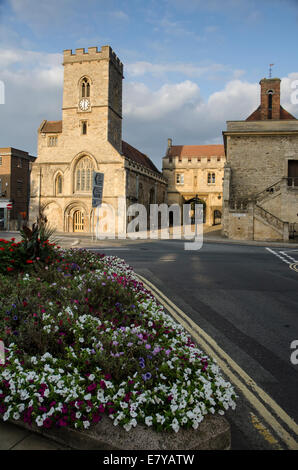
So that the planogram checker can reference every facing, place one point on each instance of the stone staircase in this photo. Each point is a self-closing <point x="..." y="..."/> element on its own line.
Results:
<point x="253" y="204"/>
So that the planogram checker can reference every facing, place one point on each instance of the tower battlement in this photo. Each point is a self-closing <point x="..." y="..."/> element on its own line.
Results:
<point x="80" y="55"/>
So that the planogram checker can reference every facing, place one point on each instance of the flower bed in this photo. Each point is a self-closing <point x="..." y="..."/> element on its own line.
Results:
<point x="84" y="338"/>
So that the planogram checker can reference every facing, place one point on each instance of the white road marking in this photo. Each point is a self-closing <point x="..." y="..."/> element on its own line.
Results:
<point x="279" y="256"/>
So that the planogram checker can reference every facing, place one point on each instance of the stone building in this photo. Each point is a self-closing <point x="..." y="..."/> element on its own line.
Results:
<point x="15" y="168"/>
<point x="260" y="192"/>
<point x="195" y="171"/>
<point x="88" y="139"/>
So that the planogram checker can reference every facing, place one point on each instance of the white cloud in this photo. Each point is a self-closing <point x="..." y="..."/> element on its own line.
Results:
<point x="140" y="68"/>
<point x="33" y="92"/>
<point x="178" y="111"/>
<point x="33" y="86"/>
<point x="119" y="15"/>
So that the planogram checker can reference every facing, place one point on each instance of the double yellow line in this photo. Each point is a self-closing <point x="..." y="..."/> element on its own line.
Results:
<point x="265" y="406"/>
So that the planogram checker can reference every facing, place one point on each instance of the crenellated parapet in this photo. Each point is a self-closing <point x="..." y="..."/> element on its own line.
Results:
<point x="80" y="55"/>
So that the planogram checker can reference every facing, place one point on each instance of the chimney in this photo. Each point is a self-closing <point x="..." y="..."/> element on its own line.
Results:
<point x="169" y="143"/>
<point x="270" y="98"/>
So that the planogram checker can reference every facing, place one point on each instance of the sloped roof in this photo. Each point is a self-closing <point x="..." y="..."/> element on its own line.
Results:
<point x="128" y="150"/>
<point x="51" y="127"/>
<point x="196" y="151"/>
<point x="256" y="115"/>
<point x="135" y="155"/>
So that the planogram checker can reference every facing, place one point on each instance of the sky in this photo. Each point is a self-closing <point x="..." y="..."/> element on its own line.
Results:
<point x="189" y="65"/>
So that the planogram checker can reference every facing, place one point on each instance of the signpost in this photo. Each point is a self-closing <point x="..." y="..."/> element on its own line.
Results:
<point x="97" y="191"/>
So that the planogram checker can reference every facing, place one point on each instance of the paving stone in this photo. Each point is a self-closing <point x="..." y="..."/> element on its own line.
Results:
<point x="11" y="435"/>
<point x="34" y="442"/>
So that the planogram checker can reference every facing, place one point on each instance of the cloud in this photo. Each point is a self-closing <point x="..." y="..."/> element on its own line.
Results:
<point x="140" y="68"/>
<point x="33" y="92"/>
<point x="119" y="15"/>
<point x="179" y="111"/>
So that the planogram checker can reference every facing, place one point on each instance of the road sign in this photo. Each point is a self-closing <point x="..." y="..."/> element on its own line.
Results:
<point x="97" y="189"/>
<point x="9" y="206"/>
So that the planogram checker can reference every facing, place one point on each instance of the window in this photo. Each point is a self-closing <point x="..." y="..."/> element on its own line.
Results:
<point x="180" y="158"/>
<point x="189" y="159"/>
<point x="170" y="160"/>
<point x="199" y="159"/>
<point x="19" y="163"/>
<point x="218" y="159"/>
<point x="0" y="161"/>
<point x="85" y="88"/>
<point x="59" y="184"/>
<point x="83" y="174"/>
<point x="270" y="93"/>
<point x="19" y="188"/>
<point x="293" y="173"/>
<point x="84" y="127"/>
<point x="195" y="181"/>
<point x="211" y="178"/>
<point x="180" y="178"/>
<point x="52" y="141"/>
<point x="208" y="159"/>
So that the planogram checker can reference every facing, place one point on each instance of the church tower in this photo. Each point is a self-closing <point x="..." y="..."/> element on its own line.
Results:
<point x="92" y="95"/>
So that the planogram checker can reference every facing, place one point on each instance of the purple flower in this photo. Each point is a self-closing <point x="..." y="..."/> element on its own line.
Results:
<point x="146" y="376"/>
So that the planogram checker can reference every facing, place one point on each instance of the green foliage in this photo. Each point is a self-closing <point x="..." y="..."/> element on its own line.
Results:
<point x="34" y="248"/>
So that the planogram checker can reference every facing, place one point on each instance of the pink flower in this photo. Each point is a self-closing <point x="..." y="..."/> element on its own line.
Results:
<point x="91" y="387"/>
<point x="102" y="384"/>
<point x="101" y="408"/>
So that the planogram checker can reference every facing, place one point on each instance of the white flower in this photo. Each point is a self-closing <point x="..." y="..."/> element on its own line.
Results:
<point x="148" y="420"/>
<point x="175" y="425"/>
<point x="39" y="421"/>
<point x="86" y="424"/>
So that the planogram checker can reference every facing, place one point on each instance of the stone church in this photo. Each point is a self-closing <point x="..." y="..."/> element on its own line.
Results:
<point x="260" y="187"/>
<point x="88" y="139"/>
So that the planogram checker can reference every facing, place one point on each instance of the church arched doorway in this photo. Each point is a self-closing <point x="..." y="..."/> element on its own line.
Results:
<point x="78" y="221"/>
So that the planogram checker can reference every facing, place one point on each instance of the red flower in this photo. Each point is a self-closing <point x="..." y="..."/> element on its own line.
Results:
<point x="9" y="268"/>
<point x="29" y="261"/>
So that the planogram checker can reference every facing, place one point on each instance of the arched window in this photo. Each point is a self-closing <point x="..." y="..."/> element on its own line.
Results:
<point x="85" y="88"/>
<point x="58" y="184"/>
<point x="83" y="175"/>
<point x="270" y="93"/>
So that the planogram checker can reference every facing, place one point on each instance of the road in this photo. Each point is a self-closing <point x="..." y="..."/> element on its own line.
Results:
<point x="240" y="302"/>
<point x="245" y="299"/>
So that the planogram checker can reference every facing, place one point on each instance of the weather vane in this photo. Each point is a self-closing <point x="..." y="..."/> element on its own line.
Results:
<point x="270" y="70"/>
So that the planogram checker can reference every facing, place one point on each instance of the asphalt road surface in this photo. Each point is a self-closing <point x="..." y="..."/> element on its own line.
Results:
<point x="245" y="300"/>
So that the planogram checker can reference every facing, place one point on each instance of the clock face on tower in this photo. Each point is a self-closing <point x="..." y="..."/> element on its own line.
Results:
<point x="84" y="104"/>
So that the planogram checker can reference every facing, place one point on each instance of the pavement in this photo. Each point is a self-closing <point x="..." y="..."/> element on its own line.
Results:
<point x="13" y="437"/>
